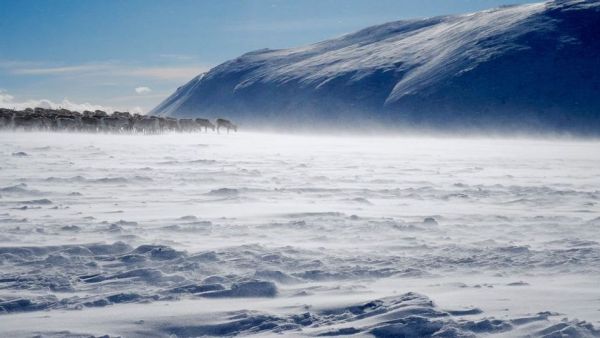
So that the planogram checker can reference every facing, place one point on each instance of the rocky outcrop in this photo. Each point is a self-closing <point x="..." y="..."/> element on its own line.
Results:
<point x="97" y="121"/>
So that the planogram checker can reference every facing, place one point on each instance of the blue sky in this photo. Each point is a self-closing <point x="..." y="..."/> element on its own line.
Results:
<point x="131" y="54"/>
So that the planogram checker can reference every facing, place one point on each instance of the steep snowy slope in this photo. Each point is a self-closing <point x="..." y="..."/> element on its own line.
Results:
<point x="523" y="66"/>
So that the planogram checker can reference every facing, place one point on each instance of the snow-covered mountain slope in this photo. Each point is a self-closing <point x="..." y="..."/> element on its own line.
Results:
<point x="535" y="65"/>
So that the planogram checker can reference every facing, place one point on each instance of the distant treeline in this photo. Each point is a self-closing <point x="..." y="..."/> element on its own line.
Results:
<point x="100" y="121"/>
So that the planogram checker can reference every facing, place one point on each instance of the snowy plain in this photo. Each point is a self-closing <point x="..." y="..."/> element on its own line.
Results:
<point x="266" y="234"/>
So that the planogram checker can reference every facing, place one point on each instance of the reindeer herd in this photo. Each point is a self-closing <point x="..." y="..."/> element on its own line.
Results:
<point x="100" y="121"/>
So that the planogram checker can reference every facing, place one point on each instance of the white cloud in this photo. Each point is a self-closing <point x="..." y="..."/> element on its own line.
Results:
<point x="77" y="69"/>
<point x="142" y="90"/>
<point x="5" y="97"/>
<point x="113" y="69"/>
<point x="136" y="110"/>
<point x="7" y="101"/>
<point x="131" y="84"/>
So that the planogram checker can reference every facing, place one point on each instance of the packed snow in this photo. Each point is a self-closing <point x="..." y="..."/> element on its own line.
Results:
<point x="266" y="234"/>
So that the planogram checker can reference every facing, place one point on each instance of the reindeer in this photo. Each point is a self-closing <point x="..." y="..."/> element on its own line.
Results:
<point x="145" y="124"/>
<point x="226" y="124"/>
<point x="188" y="125"/>
<point x="28" y="122"/>
<point x="168" y="124"/>
<point x="206" y="124"/>
<point x="71" y="123"/>
<point x="6" y="118"/>
<point x="115" y="123"/>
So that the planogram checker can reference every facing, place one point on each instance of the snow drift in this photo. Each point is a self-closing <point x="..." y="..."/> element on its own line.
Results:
<point x="530" y="66"/>
<point x="266" y="235"/>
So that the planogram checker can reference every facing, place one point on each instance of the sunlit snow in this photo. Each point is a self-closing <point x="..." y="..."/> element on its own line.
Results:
<point x="260" y="234"/>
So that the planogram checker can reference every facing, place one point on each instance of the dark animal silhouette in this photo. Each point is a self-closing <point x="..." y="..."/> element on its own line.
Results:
<point x="226" y="124"/>
<point x="206" y="124"/>
<point x="115" y="123"/>
<point x="146" y="124"/>
<point x="100" y="121"/>
<point x="188" y="125"/>
<point x="168" y="124"/>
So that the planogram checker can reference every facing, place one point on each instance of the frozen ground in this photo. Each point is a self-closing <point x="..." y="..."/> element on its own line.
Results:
<point x="257" y="234"/>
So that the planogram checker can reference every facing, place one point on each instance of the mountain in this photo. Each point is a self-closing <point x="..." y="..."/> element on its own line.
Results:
<point x="528" y="66"/>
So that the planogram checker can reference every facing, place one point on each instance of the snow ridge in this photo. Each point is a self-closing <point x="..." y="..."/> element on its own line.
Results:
<point x="534" y="65"/>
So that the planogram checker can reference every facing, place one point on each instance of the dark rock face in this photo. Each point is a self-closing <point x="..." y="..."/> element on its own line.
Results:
<point x="520" y="67"/>
<point x="98" y="121"/>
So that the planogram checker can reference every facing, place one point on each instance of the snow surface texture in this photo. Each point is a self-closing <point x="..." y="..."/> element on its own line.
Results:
<point x="259" y="234"/>
<point x="532" y="66"/>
